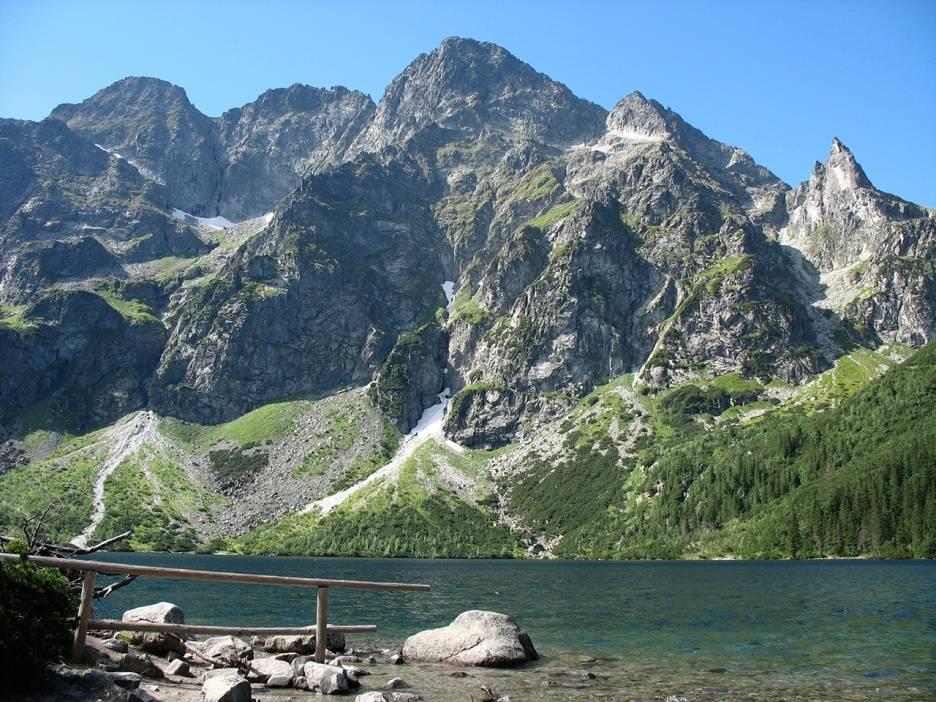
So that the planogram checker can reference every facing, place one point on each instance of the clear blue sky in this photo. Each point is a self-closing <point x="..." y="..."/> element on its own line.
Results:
<point x="779" y="79"/>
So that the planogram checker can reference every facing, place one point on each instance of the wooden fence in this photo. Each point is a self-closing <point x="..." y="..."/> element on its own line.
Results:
<point x="321" y="628"/>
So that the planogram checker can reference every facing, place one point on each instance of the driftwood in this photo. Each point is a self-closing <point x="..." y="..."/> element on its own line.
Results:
<point x="242" y="667"/>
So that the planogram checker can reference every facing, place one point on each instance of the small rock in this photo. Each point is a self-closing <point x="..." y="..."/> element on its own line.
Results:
<point x="288" y="657"/>
<point x="370" y="660"/>
<point x="396" y="659"/>
<point x="302" y="644"/>
<point x="401" y="697"/>
<point x="279" y="681"/>
<point x="179" y="667"/>
<point x="141" y="695"/>
<point x="228" y="650"/>
<point x="676" y="698"/>
<point x="396" y="684"/>
<point x="128" y="681"/>
<point x="298" y="663"/>
<point x="138" y="663"/>
<point x="353" y="669"/>
<point x="487" y="694"/>
<point x="300" y="682"/>
<point x="261" y="669"/>
<point x="458" y="674"/>
<point x="226" y="688"/>
<point x="372" y="696"/>
<point x="327" y="679"/>
<point x="116" y="645"/>
<point x="341" y="660"/>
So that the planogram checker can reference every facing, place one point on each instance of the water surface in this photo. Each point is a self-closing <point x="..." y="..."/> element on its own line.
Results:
<point x="704" y="630"/>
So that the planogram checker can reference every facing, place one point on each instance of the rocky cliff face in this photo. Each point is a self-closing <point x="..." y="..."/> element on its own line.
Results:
<point x="239" y="165"/>
<point x="69" y="210"/>
<point x="869" y="254"/>
<point x="583" y="244"/>
<point x="272" y="142"/>
<point x="88" y="363"/>
<point x="152" y="124"/>
<point x="351" y="260"/>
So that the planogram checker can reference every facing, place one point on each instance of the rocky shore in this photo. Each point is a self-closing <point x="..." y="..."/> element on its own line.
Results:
<point x="143" y="667"/>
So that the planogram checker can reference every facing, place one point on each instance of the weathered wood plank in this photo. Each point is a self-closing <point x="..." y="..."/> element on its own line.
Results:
<point x="211" y="575"/>
<point x="321" y="624"/>
<point x="114" y="625"/>
<point x="84" y="615"/>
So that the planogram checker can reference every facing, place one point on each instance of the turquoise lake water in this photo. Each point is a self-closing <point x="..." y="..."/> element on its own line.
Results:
<point x="705" y="630"/>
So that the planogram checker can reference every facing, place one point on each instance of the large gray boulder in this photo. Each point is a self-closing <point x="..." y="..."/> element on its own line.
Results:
<point x="476" y="638"/>
<point x="327" y="679"/>
<point x="159" y="613"/>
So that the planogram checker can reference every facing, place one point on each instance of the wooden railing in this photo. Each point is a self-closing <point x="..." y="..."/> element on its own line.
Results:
<point x="90" y="569"/>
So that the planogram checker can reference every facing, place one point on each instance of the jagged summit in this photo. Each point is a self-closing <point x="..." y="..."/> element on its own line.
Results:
<point x="841" y="171"/>
<point x="470" y="85"/>
<point x="836" y="216"/>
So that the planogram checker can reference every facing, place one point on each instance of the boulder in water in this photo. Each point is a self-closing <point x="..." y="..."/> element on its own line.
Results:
<point x="475" y="638"/>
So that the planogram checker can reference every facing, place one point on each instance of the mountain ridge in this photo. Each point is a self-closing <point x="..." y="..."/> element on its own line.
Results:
<point x="479" y="229"/>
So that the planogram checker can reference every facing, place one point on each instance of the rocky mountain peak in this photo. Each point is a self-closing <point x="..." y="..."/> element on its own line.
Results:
<point x="840" y="171"/>
<point x="638" y="117"/>
<point x="837" y="216"/>
<point x="468" y="85"/>
<point x="152" y="124"/>
<point x="134" y="94"/>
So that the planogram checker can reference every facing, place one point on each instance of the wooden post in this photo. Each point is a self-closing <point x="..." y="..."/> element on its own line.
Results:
<point x="321" y="624"/>
<point x="84" y="613"/>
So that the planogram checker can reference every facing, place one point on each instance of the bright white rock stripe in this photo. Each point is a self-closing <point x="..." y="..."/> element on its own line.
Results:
<point x="428" y="427"/>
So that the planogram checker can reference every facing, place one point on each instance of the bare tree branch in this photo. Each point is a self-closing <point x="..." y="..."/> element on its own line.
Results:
<point x="102" y="592"/>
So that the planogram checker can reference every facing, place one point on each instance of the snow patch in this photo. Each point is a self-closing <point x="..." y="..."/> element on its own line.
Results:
<point x="448" y="287"/>
<point x="614" y="139"/>
<point x="428" y="427"/>
<point x="210" y="222"/>
<point x="108" y="151"/>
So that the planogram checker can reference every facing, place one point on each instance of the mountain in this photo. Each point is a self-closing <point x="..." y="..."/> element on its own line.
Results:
<point x="481" y="297"/>
<point x="237" y="166"/>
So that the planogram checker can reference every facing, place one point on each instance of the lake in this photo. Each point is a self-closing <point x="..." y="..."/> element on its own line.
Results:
<point x="704" y="630"/>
